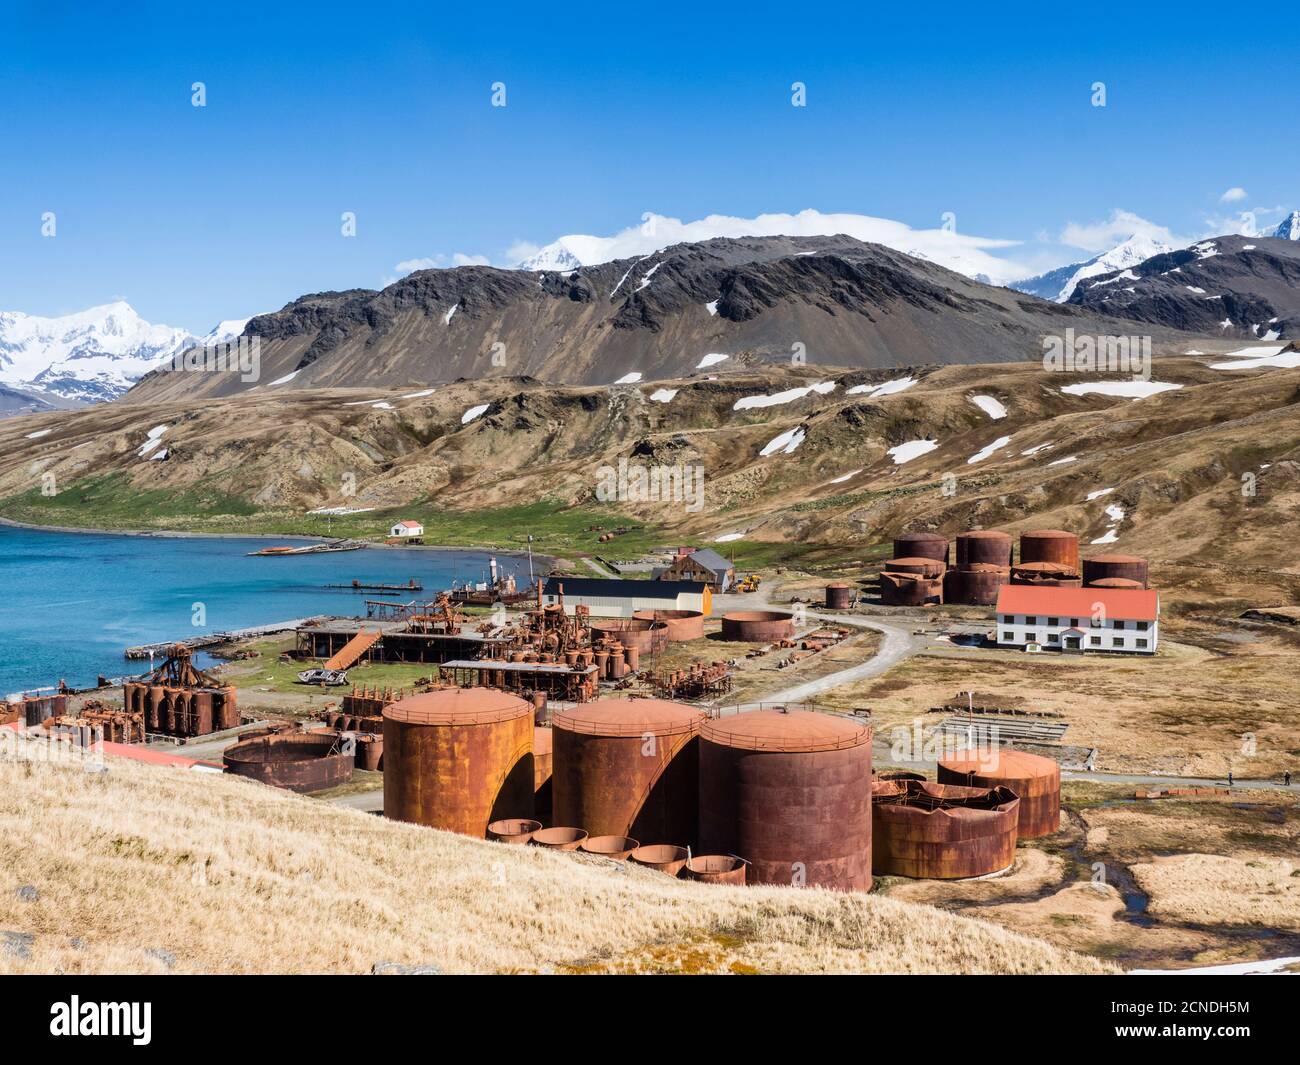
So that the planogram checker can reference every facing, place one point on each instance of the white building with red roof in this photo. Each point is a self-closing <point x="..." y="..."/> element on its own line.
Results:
<point x="407" y="530"/>
<point x="1079" y="619"/>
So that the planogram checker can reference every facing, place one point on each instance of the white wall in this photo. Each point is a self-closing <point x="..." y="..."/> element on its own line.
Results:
<point x="1110" y="636"/>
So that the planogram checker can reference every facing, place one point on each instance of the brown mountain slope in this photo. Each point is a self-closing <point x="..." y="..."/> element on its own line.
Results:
<point x="847" y="303"/>
<point x="1178" y="469"/>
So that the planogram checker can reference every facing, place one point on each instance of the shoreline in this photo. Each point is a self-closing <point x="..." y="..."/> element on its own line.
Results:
<point x="539" y="560"/>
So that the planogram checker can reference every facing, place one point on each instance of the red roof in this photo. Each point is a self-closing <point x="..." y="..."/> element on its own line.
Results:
<point x="410" y="524"/>
<point x="1126" y="604"/>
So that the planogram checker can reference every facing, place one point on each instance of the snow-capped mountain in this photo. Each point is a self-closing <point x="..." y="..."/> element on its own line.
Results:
<point x="1290" y="227"/>
<point x="945" y="246"/>
<point x="93" y="355"/>
<point x="1059" y="284"/>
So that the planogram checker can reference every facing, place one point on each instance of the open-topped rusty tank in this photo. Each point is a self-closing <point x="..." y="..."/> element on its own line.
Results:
<point x="976" y="585"/>
<point x="941" y="831"/>
<point x="757" y="626"/>
<point x="459" y="759"/>
<point x="628" y="767"/>
<point x="1051" y="545"/>
<point x="984" y="547"/>
<point x="1036" y="780"/>
<point x="648" y="636"/>
<point x="682" y="625"/>
<point x="1128" y="568"/>
<point x="789" y="792"/>
<point x="299" y="761"/>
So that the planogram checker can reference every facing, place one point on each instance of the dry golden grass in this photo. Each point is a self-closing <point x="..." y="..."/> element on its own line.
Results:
<point x="142" y="869"/>
<point x="1213" y="889"/>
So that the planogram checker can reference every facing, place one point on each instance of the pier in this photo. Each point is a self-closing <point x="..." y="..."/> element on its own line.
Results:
<point x="198" y="643"/>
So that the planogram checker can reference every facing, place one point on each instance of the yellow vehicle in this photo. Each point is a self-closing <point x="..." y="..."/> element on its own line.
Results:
<point x="749" y="583"/>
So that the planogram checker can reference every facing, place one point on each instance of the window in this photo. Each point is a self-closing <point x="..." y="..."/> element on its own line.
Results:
<point x="1117" y="641"/>
<point x="1074" y="623"/>
<point x="1031" y="637"/>
<point x="1141" y="643"/>
<point x="1030" y="619"/>
<point x="1008" y="619"/>
<point x="1142" y="626"/>
<point x="1053" y="638"/>
<point x="1094" y="641"/>
<point x="1119" y="625"/>
<point x="1051" y="621"/>
<point x="1010" y="636"/>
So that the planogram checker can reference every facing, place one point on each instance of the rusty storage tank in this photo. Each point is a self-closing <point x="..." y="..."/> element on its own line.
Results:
<point x="924" y="567"/>
<point x="513" y="830"/>
<point x="1050" y="545"/>
<point x="757" y="626"/>
<point x="628" y="767"/>
<point x="458" y="759"/>
<point x="682" y="625"/>
<point x="921" y="545"/>
<point x="299" y="761"/>
<point x="984" y="547"/>
<point x="1049" y="574"/>
<point x="665" y="857"/>
<point x="976" y="584"/>
<point x="716" y="869"/>
<point x="838" y="596"/>
<point x="1036" y="780"/>
<point x="559" y="839"/>
<point x="543" y="739"/>
<point x="909" y="589"/>
<point x="790" y="792"/>
<point x="615" y="847"/>
<point x="1115" y="567"/>
<point x="941" y="831"/>
<point x="648" y="637"/>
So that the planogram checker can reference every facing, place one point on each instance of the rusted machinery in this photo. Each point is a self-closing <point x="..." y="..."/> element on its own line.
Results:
<point x="528" y="673"/>
<point x="976" y="584"/>
<point x="839" y="595"/>
<point x="921" y="545"/>
<point x="646" y="637"/>
<point x="682" y="625"/>
<point x="1050" y="545"/>
<point x="700" y="680"/>
<point x="941" y="831"/>
<point x="459" y="759"/>
<point x="628" y="767"/>
<point x="790" y="792"/>
<point x="1128" y="568"/>
<point x="909" y="589"/>
<point x="299" y="761"/>
<point x="984" y="547"/>
<point x="179" y="700"/>
<point x="116" y="726"/>
<point x="1036" y="780"/>
<point x="757" y="626"/>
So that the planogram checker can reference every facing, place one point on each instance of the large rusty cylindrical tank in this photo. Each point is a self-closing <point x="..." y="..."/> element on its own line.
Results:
<point x="628" y="767"/>
<point x="924" y="567"/>
<point x="458" y="759"/>
<point x="789" y="792"/>
<point x="976" y="584"/>
<point x="1115" y="567"/>
<point x="299" y="761"/>
<point x="1050" y="545"/>
<point x="985" y="547"/>
<point x="921" y="545"/>
<point x="909" y="589"/>
<point x="1036" y="780"/>
<point x="757" y="626"/>
<point x="838" y="595"/>
<point x="682" y="625"/>
<point x="941" y="831"/>
<point x="646" y="635"/>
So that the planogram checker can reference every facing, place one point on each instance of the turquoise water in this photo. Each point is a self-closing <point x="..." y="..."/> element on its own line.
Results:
<point x="70" y="603"/>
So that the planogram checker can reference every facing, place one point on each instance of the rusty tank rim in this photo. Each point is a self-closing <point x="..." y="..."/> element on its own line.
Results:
<point x="662" y="856"/>
<point x="513" y="830"/>
<point x="701" y="866"/>
<point x="616" y="847"/>
<point x="758" y="615"/>
<point x="458" y="706"/>
<point x="786" y="731"/>
<point x="629" y="717"/>
<point x="276" y="748"/>
<point x="560" y="839"/>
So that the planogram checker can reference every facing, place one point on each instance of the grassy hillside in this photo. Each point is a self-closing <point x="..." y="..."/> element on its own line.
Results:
<point x="146" y="869"/>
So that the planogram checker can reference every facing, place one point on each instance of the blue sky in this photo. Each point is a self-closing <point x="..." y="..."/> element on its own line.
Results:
<point x="197" y="214"/>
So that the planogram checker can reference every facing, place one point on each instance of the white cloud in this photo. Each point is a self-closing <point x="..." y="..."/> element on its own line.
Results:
<point x="965" y="253"/>
<point x="1101" y="236"/>
<point x="1233" y="195"/>
<point x="436" y="262"/>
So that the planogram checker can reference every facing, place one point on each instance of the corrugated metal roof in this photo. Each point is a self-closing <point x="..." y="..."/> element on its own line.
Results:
<point x="710" y="560"/>
<point x="622" y="589"/>
<point x="1126" y="604"/>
